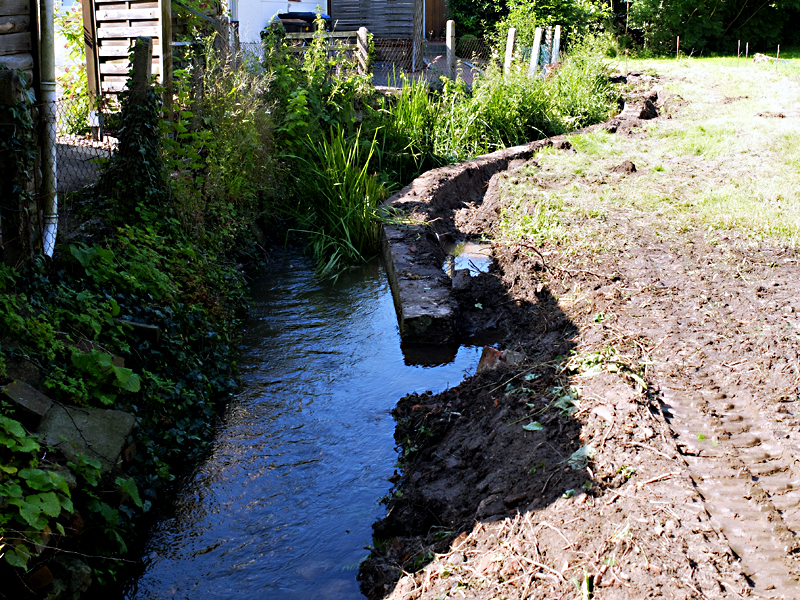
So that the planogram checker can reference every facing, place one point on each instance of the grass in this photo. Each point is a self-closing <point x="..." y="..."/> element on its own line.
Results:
<point x="727" y="160"/>
<point x="418" y="130"/>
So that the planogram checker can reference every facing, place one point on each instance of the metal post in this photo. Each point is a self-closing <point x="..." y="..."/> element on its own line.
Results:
<point x="49" y="157"/>
<point x="556" y="45"/>
<point x="418" y="35"/>
<point x="537" y="44"/>
<point x="510" y="41"/>
<point x="450" y="40"/>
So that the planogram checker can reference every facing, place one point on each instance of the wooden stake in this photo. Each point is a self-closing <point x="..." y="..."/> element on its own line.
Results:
<point x="746" y="50"/>
<point x="779" y="53"/>
<point x="678" y="49"/>
<point x="510" y="42"/>
<point x="451" y="49"/>
<point x="739" y="50"/>
<point x="533" y="69"/>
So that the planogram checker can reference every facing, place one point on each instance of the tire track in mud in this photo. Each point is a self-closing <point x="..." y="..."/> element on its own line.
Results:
<point x="725" y="362"/>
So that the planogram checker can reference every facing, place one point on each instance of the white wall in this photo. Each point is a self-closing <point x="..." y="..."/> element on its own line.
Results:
<point x="255" y="14"/>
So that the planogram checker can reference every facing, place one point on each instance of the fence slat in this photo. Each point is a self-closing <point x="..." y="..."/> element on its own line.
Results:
<point x="106" y="33"/>
<point x="9" y="8"/>
<point x="328" y="34"/>
<point x="15" y="43"/>
<point x="127" y="14"/>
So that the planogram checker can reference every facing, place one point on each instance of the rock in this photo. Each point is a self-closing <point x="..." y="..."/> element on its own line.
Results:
<point x="143" y="330"/>
<point x="638" y="109"/>
<point x="95" y="432"/>
<point x="261" y="239"/>
<point x="26" y="371"/>
<point x="625" y="167"/>
<point x="490" y="359"/>
<point x="490" y="506"/>
<point x="562" y="145"/>
<point x="30" y="404"/>
<point x="40" y="578"/>
<point x="461" y="280"/>
<point x="73" y="572"/>
<point x="604" y="412"/>
<point x="512" y="358"/>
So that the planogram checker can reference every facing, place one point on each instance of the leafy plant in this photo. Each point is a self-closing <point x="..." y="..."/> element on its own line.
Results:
<point x="34" y="498"/>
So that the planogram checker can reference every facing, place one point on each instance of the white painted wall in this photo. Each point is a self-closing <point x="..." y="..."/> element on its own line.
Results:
<point x="255" y="14"/>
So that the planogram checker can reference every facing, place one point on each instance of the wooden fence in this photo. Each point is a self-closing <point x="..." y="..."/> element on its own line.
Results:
<point x="18" y="29"/>
<point x="110" y="27"/>
<point x="337" y="41"/>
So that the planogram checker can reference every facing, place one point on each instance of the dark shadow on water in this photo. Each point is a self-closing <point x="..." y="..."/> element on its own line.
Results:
<point x="467" y="457"/>
<point x="283" y="504"/>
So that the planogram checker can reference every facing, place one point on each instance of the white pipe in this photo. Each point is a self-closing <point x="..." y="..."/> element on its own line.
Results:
<point x="49" y="158"/>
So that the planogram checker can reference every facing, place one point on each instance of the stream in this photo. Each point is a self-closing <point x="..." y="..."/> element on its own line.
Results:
<point x="283" y="505"/>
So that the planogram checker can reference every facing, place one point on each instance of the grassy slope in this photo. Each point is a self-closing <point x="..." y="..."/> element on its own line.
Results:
<point x="727" y="163"/>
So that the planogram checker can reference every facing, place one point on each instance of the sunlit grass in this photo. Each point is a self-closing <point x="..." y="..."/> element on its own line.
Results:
<point x="728" y="159"/>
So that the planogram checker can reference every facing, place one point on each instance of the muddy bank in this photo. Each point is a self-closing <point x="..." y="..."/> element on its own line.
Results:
<point x="643" y="445"/>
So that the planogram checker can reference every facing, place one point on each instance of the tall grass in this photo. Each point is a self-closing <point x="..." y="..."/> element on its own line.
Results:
<point x="340" y="201"/>
<point x="419" y="129"/>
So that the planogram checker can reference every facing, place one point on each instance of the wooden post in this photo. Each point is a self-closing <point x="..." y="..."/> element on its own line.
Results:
<point x="450" y="40"/>
<point x="556" y="45"/>
<point x="165" y="54"/>
<point x="510" y="42"/>
<point x="92" y="68"/>
<point x="678" y="49"/>
<point x="746" y="50"/>
<point x="142" y="69"/>
<point x="362" y="40"/>
<point x="419" y="34"/>
<point x="739" y="50"/>
<point x="778" y="57"/>
<point x="537" y="44"/>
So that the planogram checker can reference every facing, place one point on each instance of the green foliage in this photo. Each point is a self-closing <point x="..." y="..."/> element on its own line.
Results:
<point x="218" y="149"/>
<point x="135" y="177"/>
<point x="18" y="155"/>
<point x="713" y="25"/>
<point x="34" y="499"/>
<point x="340" y="200"/>
<point x="73" y="82"/>
<point x="576" y="17"/>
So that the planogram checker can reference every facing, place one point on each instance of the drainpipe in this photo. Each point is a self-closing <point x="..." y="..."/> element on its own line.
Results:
<point x="48" y="89"/>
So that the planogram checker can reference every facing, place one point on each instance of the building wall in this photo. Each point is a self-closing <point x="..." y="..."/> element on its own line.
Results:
<point x="255" y="14"/>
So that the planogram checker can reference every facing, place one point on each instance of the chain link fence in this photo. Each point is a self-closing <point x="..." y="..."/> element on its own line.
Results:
<point x="81" y="143"/>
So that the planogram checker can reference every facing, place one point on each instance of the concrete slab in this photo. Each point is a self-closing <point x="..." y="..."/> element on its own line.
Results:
<point x="30" y="404"/>
<point x="95" y="432"/>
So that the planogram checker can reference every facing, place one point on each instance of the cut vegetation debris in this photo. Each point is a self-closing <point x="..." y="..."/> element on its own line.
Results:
<point x="646" y="446"/>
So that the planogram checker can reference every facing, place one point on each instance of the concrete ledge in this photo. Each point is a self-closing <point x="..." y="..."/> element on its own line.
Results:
<point x="413" y="256"/>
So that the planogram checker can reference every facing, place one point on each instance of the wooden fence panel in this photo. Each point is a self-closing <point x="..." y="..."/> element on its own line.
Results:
<point x="110" y="30"/>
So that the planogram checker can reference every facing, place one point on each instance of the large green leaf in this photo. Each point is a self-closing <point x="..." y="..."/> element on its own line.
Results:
<point x="47" y="502"/>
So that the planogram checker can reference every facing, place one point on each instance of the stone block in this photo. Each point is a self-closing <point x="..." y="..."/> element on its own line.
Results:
<point x="30" y="404"/>
<point x="94" y="432"/>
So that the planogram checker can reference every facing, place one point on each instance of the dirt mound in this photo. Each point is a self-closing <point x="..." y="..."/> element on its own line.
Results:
<point x="646" y="445"/>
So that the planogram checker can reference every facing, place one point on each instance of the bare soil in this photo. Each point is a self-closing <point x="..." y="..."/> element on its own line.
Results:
<point x="641" y="440"/>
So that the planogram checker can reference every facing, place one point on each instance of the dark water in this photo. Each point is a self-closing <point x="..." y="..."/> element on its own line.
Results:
<point x="283" y="506"/>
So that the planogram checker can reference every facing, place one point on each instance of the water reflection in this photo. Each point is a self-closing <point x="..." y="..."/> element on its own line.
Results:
<point x="283" y="506"/>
